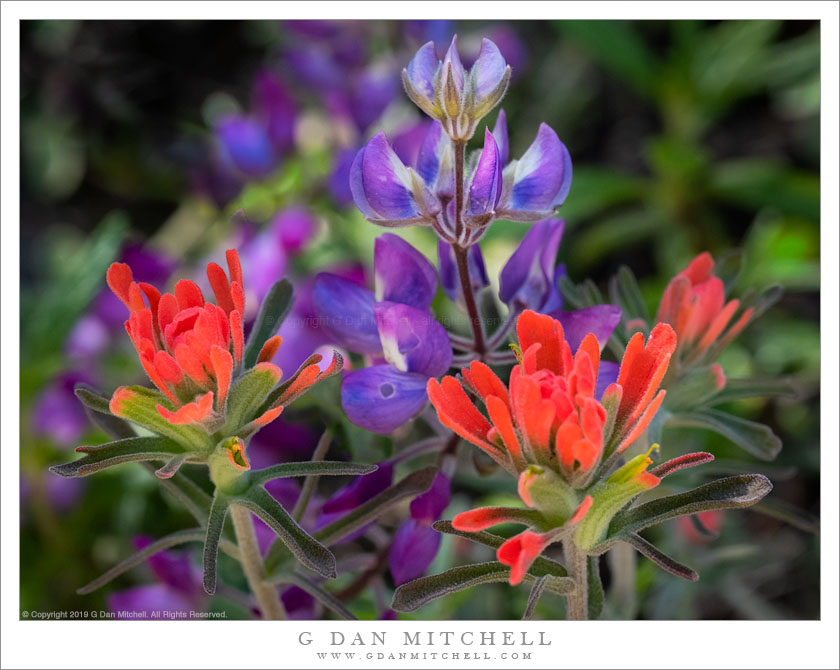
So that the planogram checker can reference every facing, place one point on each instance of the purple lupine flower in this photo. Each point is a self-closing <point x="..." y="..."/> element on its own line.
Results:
<point x="416" y="543"/>
<point x="436" y="162"/>
<point x="178" y="591"/>
<point x="600" y="320"/>
<point x="356" y="493"/>
<point x="385" y="190"/>
<point x="274" y="107"/>
<point x="414" y="547"/>
<point x="58" y="414"/>
<point x="429" y="506"/>
<point x="338" y="183"/>
<point x="247" y="145"/>
<point x="526" y="279"/>
<point x="402" y="274"/>
<point x="538" y="183"/>
<point x="448" y="269"/>
<point x="408" y="140"/>
<point x="450" y="94"/>
<point x="295" y="226"/>
<point x="372" y="90"/>
<point x="393" y="323"/>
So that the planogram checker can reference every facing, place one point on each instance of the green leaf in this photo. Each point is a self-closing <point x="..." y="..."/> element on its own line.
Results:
<point x="534" y="597"/>
<point x="248" y="395"/>
<point x="541" y="566"/>
<point x="274" y="309"/>
<point x="753" y="387"/>
<point x="597" y="189"/>
<point x="755" y="438"/>
<point x="784" y="511"/>
<point x="595" y="599"/>
<point x="215" y="526"/>
<point x="412" y="485"/>
<point x="91" y="399"/>
<point x="661" y="559"/>
<point x="139" y="404"/>
<point x="618" y="47"/>
<point x="624" y="291"/>
<point x="306" y="468"/>
<point x="728" y="493"/>
<point x="166" y="542"/>
<point x="303" y="546"/>
<point x="755" y="184"/>
<point x="121" y="451"/>
<point x="695" y="388"/>
<point x="418" y="592"/>
<point x="320" y="594"/>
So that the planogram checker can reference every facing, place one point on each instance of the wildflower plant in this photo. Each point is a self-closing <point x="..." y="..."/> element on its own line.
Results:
<point x="570" y="394"/>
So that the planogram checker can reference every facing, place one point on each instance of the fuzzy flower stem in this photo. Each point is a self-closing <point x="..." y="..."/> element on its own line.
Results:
<point x="266" y="594"/>
<point x="469" y="300"/>
<point x="577" y="603"/>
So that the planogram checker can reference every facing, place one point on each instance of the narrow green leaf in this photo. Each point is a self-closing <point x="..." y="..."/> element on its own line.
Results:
<point x="91" y="399"/>
<point x="728" y="493"/>
<point x="418" y="592"/>
<point x="121" y="451"/>
<point x="320" y="594"/>
<point x="625" y="292"/>
<point x="753" y="387"/>
<point x="755" y="438"/>
<point x="306" y="468"/>
<point x="541" y="566"/>
<point x="595" y="599"/>
<point x="166" y="542"/>
<point x="412" y="485"/>
<point x="215" y="525"/>
<point x="171" y="467"/>
<point x="303" y="546"/>
<point x="784" y="511"/>
<point x="534" y="597"/>
<point x="311" y="482"/>
<point x="274" y="309"/>
<point x="664" y="561"/>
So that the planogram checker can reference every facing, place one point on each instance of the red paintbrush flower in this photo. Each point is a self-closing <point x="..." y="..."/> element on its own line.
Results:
<point x="694" y="304"/>
<point x="192" y="350"/>
<point x="548" y="428"/>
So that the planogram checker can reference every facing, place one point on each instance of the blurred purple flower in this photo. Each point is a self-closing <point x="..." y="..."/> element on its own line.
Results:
<point x="429" y="506"/>
<point x="247" y="145"/>
<point x="58" y="414"/>
<point x="274" y="107"/>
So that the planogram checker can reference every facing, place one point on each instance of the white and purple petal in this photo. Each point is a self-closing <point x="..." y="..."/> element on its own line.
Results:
<point x="381" y="184"/>
<point x="402" y="274"/>
<point x="489" y="70"/>
<point x="543" y="175"/>
<point x="412" y="339"/>
<point x="422" y="69"/>
<point x="381" y="398"/>
<point x="345" y="310"/>
<point x="486" y="185"/>
<point x="453" y="61"/>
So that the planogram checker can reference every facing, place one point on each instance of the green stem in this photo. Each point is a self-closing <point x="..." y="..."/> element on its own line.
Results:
<point x="252" y="564"/>
<point x="311" y="481"/>
<point x="577" y="603"/>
